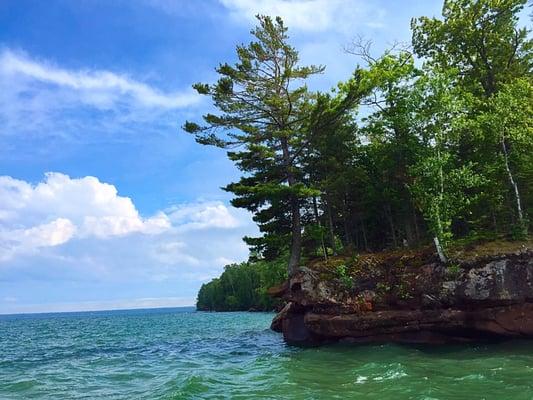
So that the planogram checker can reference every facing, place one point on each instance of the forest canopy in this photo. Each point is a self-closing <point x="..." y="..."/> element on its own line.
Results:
<point x="404" y="153"/>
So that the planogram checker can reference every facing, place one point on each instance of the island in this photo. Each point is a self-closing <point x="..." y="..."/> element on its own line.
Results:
<point x="393" y="207"/>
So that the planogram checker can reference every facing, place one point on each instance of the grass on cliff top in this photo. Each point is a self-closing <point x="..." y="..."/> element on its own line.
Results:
<point x="465" y="251"/>
<point x="468" y="252"/>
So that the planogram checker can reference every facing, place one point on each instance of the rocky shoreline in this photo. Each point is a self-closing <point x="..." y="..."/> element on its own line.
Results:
<point x="411" y="298"/>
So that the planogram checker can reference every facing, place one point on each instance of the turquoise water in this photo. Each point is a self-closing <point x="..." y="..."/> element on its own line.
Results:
<point x="182" y="354"/>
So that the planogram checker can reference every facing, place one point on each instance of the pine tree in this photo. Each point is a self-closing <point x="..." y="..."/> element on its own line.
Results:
<point x="263" y="101"/>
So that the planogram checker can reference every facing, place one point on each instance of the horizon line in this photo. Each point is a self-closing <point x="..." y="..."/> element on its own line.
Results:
<point x="3" y="314"/>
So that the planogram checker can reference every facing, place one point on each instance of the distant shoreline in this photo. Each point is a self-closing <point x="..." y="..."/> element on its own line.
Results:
<point x="116" y="310"/>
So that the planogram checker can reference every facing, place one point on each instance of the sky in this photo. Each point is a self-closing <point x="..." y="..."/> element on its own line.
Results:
<point x="105" y="203"/>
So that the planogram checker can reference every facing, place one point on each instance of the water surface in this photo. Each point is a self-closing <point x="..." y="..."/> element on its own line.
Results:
<point x="182" y="354"/>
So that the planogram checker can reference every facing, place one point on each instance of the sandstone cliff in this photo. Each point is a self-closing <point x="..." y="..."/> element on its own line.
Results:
<point x="484" y="293"/>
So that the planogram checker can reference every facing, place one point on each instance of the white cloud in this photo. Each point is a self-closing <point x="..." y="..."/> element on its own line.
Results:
<point x="202" y="216"/>
<point x="96" y="87"/>
<point x="55" y="210"/>
<point x="41" y="99"/>
<point x="311" y="15"/>
<point x="61" y="209"/>
<point x="76" y="239"/>
<point x="174" y="252"/>
<point x="53" y="233"/>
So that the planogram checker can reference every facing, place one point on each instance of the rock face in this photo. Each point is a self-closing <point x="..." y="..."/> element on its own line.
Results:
<point x="405" y="299"/>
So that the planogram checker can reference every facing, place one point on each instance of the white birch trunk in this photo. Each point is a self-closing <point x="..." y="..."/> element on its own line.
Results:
<point x="440" y="251"/>
<point x="513" y="184"/>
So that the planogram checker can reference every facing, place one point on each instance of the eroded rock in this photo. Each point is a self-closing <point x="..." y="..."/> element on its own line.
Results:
<point x="491" y="298"/>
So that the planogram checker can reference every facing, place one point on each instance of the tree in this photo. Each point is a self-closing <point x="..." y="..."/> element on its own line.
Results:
<point x="480" y="39"/>
<point x="442" y="182"/>
<point x="393" y="141"/>
<point x="263" y="100"/>
<point x="242" y="287"/>
<point x="399" y="154"/>
<point x="479" y="42"/>
<point x="328" y="155"/>
<point x="509" y="118"/>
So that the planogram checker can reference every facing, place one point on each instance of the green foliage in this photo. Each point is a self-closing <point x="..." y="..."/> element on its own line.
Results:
<point x="443" y="185"/>
<point x="243" y="287"/>
<point x="479" y="37"/>
<point x="402" y="153"/>
<point x="342" y="274"/>
<point x="508" y="120"/>
<point x="453" y="271"/>
<point x="263" y="107"/>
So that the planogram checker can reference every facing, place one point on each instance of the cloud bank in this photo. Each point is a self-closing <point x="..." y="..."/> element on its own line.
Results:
<point x="82" y="230"/>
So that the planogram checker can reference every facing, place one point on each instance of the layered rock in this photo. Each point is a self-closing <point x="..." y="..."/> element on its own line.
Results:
<point x="411" y="297"/>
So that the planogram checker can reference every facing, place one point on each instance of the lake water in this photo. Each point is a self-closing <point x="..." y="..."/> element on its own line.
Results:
<point x="182" y="354"/>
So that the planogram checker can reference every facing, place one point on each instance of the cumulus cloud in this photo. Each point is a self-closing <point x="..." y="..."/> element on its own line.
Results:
<point x="60" y="208"/>
<point x="78" y="239"/>
<point x="83" y="221"/>
<point x="311" y="15"/>
<point x="53" y="233"/>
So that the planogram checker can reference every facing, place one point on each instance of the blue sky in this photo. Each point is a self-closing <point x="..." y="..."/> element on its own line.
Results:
<point x="104" y="201"/>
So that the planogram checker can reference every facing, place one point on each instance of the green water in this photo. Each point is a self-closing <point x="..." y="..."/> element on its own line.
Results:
<point x="181" y="354"/>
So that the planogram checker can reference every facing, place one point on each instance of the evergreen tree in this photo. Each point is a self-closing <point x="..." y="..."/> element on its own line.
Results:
<point x="263" y="99"/>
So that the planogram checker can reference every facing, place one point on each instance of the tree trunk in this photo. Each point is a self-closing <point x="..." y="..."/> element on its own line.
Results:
<point x="347" y="235"/>
<point x="364" y="234"/>
<point x="296" y="227"/>
<point x="514" y="185"/>
<point x="356" y="236"/>
<point x="388" y="212"/>
<point x="440" y="230"/>
<point x="415" y="223"/>
<point x="409" y="238"/>
<point x="317" y="218"/>
<point x="440" y="250"/>
<point x="494" y="220"/>
<point x="330" y="228"/>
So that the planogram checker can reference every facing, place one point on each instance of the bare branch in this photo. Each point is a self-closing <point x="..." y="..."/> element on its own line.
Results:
<point x="360" y="47"/>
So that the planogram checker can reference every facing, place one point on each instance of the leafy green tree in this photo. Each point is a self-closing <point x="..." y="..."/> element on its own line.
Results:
<point x="396" y="155"/>
<point x="510" y="120"/>
<point x="480" y="39"/>
<point x="263" y="104"/>
<point x="392" y="141"/>
<point x="327" y="159"/>
<point x="479" y="42"/>
<point x="243" y="287"/>
<point x="442" y="184"/>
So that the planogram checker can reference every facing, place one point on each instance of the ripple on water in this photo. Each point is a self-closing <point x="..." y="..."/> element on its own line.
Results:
<point x="171" y="354"/>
